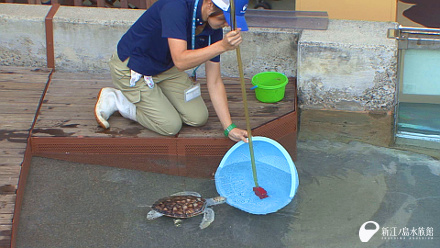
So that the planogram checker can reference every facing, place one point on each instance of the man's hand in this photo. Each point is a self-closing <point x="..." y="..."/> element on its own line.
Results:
<point x="232" y="39"/>
<point x="238" y="134"/>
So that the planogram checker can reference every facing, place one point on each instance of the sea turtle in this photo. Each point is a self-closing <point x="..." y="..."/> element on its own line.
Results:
<point x="184" y="205"/>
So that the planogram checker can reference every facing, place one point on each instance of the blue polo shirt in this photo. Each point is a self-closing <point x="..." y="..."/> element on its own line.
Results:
<point x="146" y="44"/>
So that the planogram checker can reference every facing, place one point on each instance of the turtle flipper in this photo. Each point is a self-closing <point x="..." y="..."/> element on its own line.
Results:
<point x="187" y="193"/>
<point x="153" y="215"/>
<point x="208" y="218"/>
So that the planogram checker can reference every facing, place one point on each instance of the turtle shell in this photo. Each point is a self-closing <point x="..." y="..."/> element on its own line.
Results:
<point x="185" y="206"/>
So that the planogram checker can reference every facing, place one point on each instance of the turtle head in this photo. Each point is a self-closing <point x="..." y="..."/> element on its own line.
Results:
<point x="219" y="199"/>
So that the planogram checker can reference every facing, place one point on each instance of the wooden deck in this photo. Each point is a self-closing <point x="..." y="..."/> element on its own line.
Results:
<point x="51" y="115"/>
<point x="66" y="129"/>
<point x="21" y="90"/>
<point x="70" y="99"/>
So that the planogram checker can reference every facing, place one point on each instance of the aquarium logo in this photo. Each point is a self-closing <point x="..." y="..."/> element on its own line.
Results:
<point x="393" y="233"/>
<point x="366" y="234"/>
<point x="413" y="233"/>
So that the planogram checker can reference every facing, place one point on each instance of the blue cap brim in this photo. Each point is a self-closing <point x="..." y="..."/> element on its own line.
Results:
<point x="241" y="21"/>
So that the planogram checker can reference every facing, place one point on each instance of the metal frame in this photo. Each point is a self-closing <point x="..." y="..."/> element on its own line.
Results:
<point x="405" y="34"/>
<point x="413" y="38"/>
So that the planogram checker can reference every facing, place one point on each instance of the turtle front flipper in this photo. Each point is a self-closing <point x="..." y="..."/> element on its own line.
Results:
<point x="208" y="218"/>
<point x="153" y="215"/>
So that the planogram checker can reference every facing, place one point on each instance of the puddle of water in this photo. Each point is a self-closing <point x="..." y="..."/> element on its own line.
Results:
<point x="341" y="187"/>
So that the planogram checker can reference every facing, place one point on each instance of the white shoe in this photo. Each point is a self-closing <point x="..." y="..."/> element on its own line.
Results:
<point x="110" y="100"/>
<point x="105" y="106"/>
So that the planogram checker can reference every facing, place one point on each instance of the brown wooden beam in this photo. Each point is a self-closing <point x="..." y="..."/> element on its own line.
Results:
<point x="50" y="51"/>
<point x="100" y="3"/>
<point x="149" y="3"/>
<point x="77" y="2"/>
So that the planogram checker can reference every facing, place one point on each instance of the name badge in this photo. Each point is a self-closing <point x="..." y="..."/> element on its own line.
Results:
<point x="192" y="92"/>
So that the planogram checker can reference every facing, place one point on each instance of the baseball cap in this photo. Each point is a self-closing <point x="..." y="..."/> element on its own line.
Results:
<point x="240" y="10"/>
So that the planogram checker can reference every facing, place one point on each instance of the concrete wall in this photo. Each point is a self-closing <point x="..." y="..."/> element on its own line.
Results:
<point x="264" y="49"/>
<point x="22" y="35"/>
<point x="351" y="66"/>
<point x="85" y="38"/>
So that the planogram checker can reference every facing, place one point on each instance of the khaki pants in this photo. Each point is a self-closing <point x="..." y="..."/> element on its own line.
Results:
<point x="163" y="108"/>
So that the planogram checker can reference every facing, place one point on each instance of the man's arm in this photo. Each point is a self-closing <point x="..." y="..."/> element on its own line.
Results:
<point x="219" y="100"/>
<point x="185" y="59"/>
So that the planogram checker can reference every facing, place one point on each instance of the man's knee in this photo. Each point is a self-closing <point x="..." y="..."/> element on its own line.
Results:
<point x="198" y="119"/>
<point x="170" y="129"/>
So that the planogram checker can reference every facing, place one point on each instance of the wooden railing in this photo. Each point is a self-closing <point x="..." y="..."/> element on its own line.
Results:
<point x="133" y="4"/>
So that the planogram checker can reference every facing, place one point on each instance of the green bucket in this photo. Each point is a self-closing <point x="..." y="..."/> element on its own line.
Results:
<point x="269" y="86"/>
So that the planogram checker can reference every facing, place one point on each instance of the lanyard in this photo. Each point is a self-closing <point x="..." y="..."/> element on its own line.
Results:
<point x="193" y="29"/>
<point x="193" y="34"/>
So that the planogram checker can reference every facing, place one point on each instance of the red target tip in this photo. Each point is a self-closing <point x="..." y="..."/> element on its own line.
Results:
<point x="260" y="192"/>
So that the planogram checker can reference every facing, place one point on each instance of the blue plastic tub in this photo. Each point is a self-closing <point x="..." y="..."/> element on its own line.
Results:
<point x="276" y="173"/>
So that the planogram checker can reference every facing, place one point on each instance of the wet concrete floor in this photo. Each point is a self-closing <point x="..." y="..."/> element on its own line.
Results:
<point x="342" y="186"/>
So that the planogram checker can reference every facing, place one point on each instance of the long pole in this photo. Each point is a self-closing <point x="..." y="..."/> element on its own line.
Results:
<point x="243" y="92"/>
